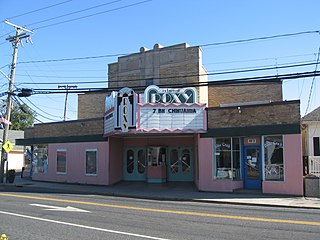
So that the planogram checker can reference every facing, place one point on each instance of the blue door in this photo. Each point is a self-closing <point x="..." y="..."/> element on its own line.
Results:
<point x="134" y="168"/>
<point x="252" y="167"/>
<point x="180" y="164"/>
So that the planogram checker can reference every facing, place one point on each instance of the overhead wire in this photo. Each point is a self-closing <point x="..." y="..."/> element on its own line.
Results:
<point x="22" y="108"/>
<point x="37" y="113"/>
<point x="40" y="108"/>
<point x="260" y="79"/>
<point x="158" y="78"/>
<point x="40" y="9"/>
<point x="94" y="14"/>
<point x="72" y="13"/>
<point x="312" y="83"/>
<point x="73" y="59"/>
<point x="201" y="45"/>
<point x="37" y="10"/>
<point x="259" y="38"/>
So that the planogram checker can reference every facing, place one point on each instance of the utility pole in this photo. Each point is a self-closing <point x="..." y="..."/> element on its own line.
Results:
<point x="67" y="87"/>
<point x="15" y="40"/>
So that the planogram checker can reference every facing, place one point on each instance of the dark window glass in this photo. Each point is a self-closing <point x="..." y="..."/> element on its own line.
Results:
<point x="61" y="161"/>
<point x="91" y="162"/>
<point x="316" y="146"/>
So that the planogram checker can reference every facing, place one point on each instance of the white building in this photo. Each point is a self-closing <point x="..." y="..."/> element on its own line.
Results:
<point x="16" y="159"/>
<point x="311" y="141"/>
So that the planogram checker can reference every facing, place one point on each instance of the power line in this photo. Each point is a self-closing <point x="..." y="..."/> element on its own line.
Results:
<point x="94" y="14"/>
<point x="201" y="45"/>
<point x="228" y="71"/>
<point x="259" y="38"/>
<point x="312" y="84"/>
<point x="260" y="59"/>
<point x="16" y="100"/>
<point x="32" y="12"/>
<point x="73" y="59"/>
<point x="39" y="108"/>
<point x="68" y="14"/>
<point x="40" y="9"/>
<point x="268" y="78"/>
<point x="163" y="77"/>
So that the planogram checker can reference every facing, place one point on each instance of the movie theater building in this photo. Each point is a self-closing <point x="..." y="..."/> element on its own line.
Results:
<point x="158" y="122"/>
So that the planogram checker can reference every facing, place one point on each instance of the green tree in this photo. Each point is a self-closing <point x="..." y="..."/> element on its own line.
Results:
<point x="22" y="117"/>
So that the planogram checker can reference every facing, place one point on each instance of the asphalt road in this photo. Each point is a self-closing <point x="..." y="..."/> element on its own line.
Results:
<point x="32" y="214"/>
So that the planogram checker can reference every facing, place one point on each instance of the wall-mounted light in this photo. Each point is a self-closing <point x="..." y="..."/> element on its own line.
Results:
<point x="239" y="109"/>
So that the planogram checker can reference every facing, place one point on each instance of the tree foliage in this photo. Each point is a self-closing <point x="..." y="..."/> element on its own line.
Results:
<point x="22" y="117"/>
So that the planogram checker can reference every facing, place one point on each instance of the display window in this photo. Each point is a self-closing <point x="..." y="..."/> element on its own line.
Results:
<point x="227" y="158"/>
<point x="273" y="158"/>
<point x="40" y="159"/>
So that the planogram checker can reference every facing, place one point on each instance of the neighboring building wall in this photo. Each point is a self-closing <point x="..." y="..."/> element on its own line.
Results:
<point x="16" y="160"/>
<point x="244" y="92"/>
<point x="76" y="164"/>
<point x="255" y="115"/>
<point x="312" y="129"/>
<point x="91" y="105"/>
<point x="16" y="155"/>
<point x="65" y="129"/>
<point x="293" y="182"/>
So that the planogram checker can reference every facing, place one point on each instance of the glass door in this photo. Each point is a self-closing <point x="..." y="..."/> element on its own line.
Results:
<point x="252" y="168"/>
<point x="180" y="164"/>
<point x="135" y="164"/>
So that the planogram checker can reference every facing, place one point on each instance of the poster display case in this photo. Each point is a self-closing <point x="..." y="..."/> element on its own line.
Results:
<point x="156" y="171"/>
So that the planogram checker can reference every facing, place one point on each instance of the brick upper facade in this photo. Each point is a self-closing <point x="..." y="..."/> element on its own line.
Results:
<point x="161" y="66"/>
<point x="244" y="92"/>
<point x="179" y="64"/>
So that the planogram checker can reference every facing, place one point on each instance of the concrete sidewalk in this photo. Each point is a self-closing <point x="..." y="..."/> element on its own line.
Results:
<point x="173" y="192"/>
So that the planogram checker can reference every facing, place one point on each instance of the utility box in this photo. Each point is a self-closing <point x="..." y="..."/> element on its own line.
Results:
<point x="311" y="186"/>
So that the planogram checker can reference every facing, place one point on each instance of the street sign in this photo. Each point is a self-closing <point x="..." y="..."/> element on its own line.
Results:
<point x="8" y="146"/>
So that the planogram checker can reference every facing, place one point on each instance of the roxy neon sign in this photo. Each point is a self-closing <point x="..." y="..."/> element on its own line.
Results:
<point x="154" y="94"/>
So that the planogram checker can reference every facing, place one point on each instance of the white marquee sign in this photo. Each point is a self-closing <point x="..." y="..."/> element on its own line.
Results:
<point x="172" y="117"/>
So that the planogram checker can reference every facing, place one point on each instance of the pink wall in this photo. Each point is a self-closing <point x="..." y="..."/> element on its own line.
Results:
<point x="206" y="181"/>
<point x="76" y="164"/>
<point x="116" y="159"/>
<point x="293" y="183"/>
<point x="159" y="141"/>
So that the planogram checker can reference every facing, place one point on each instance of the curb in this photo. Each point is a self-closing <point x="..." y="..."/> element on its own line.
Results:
<point x="161" y="198"/>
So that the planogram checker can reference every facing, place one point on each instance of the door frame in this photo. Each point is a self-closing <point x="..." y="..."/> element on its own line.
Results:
<point x="250" y="183"/>
<point x="180" y="176"/>
<point x="135" y="175"/>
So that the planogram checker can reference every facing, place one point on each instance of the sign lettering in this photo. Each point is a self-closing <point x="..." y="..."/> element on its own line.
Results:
<point x="125" y="122"/>
<point x="154" y="94"/>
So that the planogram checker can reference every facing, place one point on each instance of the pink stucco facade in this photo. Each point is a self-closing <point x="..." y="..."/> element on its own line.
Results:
<point x="293" y="179"/>
<point x="75" y="164"/>
<point x="206" y="181"/>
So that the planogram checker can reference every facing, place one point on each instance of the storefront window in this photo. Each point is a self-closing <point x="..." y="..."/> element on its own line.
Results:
<point x="40" y="159"/>
<point x="273" y="157"/>
<point x="91" y="161"/>
<point x="227" y="158"/>
<point x="61" y="161"/>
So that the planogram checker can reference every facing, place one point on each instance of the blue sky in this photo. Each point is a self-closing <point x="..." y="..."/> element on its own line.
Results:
<point x="120" y="27"/>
